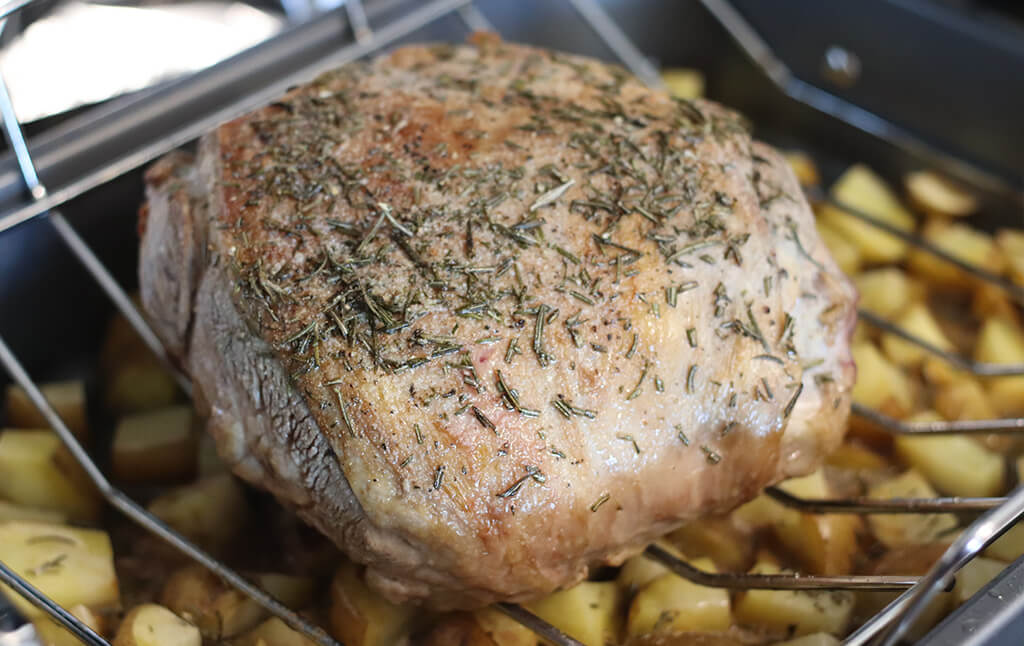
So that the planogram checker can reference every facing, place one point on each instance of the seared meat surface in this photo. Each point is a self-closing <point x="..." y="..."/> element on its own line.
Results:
<point x="490" y="315"/>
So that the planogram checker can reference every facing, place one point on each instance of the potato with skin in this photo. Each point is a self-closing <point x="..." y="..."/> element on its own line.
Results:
<point x="360" y="616"/>
<point x="153" y="625"/>
<point x="962" y="242"/>
<point x="39" y="472"/>
<point x="590" y="611"/>
<point x="156" y="446"/>
<point x="860" y="188"/>
<point x="66" y="397"/>
<point x="480" y="628"/>
<point x="53" y="634"/>
<point x="218" y="611"/>
<point x="937" y="196"/>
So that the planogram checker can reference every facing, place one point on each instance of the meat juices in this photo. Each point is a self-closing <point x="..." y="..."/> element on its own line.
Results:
<point x="489" y="315"/>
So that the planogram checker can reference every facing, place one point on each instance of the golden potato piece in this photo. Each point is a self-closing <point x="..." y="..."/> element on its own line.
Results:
<point x="854" y="457"/>
<point x="588" y="611"/>
<point x="860" y="188"/>
<point x="895" y="530"/>
<point x="954" y="464"/>
<point x="39" y="472"/>
<point x="53" y="634"/>
<point x="881" y="385"/>
<point x="846" y="254"/>
<point x="273" y="632"/>
<point x="823" y="543"/>
<point x="156" y="446"/>
<point x="638" y="571"/>
<point x="816" y="639"/>
<point x="683" y="82"/>
<point x="210" y="512"/>
<point x="804" y="168"/>
<point x="10" y="511"/>
<point x="1011" y="243"/>
<point x="918" y="321"/>
<point x="1010" y="546"/>
<point x="66" y="397"/>
<point x="938" y="196"/>
<point x="887" y="291"/>
<point x="153" y="625"/>
<point x="1002" y="341"/>
<point x="200" y="597"/>
<point x="717" y="539"/>
<point x="670" y="604"/>
<point x="909" y="560"/>
<point x="964" y="398"/>
<point x="134" y="379"/>
<point x="70" y="565"/>
<point x="794" y="612"/>
<point x="360" y="616"/>
<point x="962" y="242"/>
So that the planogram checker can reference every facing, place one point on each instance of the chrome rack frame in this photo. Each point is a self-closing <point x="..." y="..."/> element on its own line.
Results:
<point x="885" y="628"/>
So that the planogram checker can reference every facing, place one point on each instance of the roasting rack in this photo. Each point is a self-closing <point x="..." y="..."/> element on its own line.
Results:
<point x="998" y="513"/>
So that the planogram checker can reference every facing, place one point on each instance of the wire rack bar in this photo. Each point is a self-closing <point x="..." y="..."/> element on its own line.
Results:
<point x="36" y="597"/>
<point x="357" y="20"/>
<point x="900" y="427"/>
<point x="877" y="506"/>
<point x="536" y="624"/>
<point x="611" y="33"/>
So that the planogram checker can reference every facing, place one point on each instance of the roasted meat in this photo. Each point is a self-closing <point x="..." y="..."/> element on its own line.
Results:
<point x="490" y="315"/>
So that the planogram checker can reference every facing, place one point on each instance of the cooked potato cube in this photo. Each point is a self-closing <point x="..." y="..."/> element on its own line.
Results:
<point x="219" y="611"/>
<point x="1011" y="243"/>
<point x="759" y="513"/>
<point x="10" y="511"/>
<point x="895" y="530"/>
<point x="273" y="632"/>
<point x="988" y="301"/>
<point x="962" y="242"/>
<point x="717" y="539"/>
<point x="360" y="616"/>
<point x="53" y="634"/>
<point x="974" y="576"/>
<point x="70" y="565"/>
<point x="845" y="253"/>
<point x="794" y="612"/>
<point x="638" y="571"/>
<point x="964" y="398"/>
<point x="937" y="196"/>
<point x="156" y="446"/>
<point x="153" y="625"/>
<point x="817" y="639"/>
<point x="918" y="321"/>
<point x="683" y="82"/>
<point x="954" y="464"/>
<point x="804" y="168"/>
<point x="1002" y="341"/>
<point x="39" y="472"/>
<point x="209" y="512"/>
<point x="503" y="630"/>
<point x="588" y="611"/>
<point x="824" y="543"/>
<point x="887" y="291"/>
<point x="880" y="384"/>
<point x="861" y="189"/>
<point x="670" y="603"/>
<point x="66" y="397"/>
<point x="855" y="457"/>
<point x="481" y="628"/>
<point x="134" y="379"/>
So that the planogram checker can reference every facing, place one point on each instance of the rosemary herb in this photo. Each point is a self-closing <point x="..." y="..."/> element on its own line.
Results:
<point x="600" y="501"/>
<point x="439" y="477"/>
<point x="682" y="435"/>
<point x="632" y="346"/>
<point x="691" y="376"/>
<point x="629" y="438"/>
<point x="344" y="412"/>
<point x="691" y="337"/>
<point x="712" y="456"/>
<point x="792" y="402"/>
<point x="636" y="389"/>
<point x="419" y="434"/>
<point x="484" y="421"/>
<point x="551" y="196"/>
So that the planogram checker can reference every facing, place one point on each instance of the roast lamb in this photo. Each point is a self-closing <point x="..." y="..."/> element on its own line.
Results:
<point x="489" y="316"/>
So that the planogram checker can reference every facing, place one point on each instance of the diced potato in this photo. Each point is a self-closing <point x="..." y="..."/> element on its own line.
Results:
<point x="273" y="632"/>
<point x="66" y="397"/>
<point x="156" y="446"/>
<point x="802" y="612"/>
<point x="70" y="565"/>
<point x="672" y="604"/>
<point x="895" y="530"/>
<point x="804" y="168"/>
<point x="1011" y="243"/>
<point x="823" y="543"/>
<point x="1002" y="341"/>
<point x="938" y="196"/>
<point x="210" y="511"/>
<point x="503" y="630"/>
<point x="887" y="291"/>
<point x="683" y="82"/>
<point x="918" y="321"/>
<point x="481" y="628"/>
<point x="880" y="384"/>
<point x="360" y="616"/>
<point x="991" y="301"/>
<point x="638" y="571"/>
<point x="759" y="513"/>
<point x="846" y="254"/>
<point x="200" y="597"/>
<point x="1010" y="546"/>
<point x="954" y="464"/>
<point x="53" y="634"/>
<point x="974" y="576"/>
<point x="134" y="379"/>
<point x="855" y="457"/>
<point x="964" y="398"/>
<point x="10" y="511"/>
<point x="588" y="611"/>
<point x="961" y="241"/>
<point x="717" y="539"/>
<point x="861" y="189"/>
<point x="816" y="639"/>
<point x="153" y="625"/>
<point x="39" y="472"/>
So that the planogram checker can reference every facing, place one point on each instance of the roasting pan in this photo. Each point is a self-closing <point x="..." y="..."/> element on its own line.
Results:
<point x="898" y="84"/>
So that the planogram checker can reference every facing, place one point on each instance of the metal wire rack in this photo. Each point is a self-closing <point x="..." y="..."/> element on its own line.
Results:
<point x="1000" y="513"/>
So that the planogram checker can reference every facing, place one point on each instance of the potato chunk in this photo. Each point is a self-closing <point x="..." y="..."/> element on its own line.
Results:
<point x="683" y="82"/>
<point x="1002" y="341"/>
<point x="796" y="612"/>
<point x="10" y="511"/>
<point x="53" y="634"/>
<point x="273" y="632"/>
<point x="210" y="512"/>
<point x="153" y="625"/>
<point x="717" y="539"/>
<point x="937" y="196"/>
<point x="918" y="321"/>
<point x="70" y="565"/>
<point x="1011" y="243"/>
<point x="66" y="397"/>
<point x="846" y="254"/>
<point x="955" y="464"/>
<point x="204" y="600"/>
<point x="962" y="242"/>
<point x="880" y="384"/>
<point x="861" y="189"/>
<point x="39" y="472"/>
<point x="823" y="543"/>
<point x="588" y="611"/>
<point x="156" y="446"/>
<point x="895" y="530"/>
<point x="887" y="291"/>
<point x="670" y="604"/>
<point x="360" y="616"/>
<point x="804" y="168"/>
